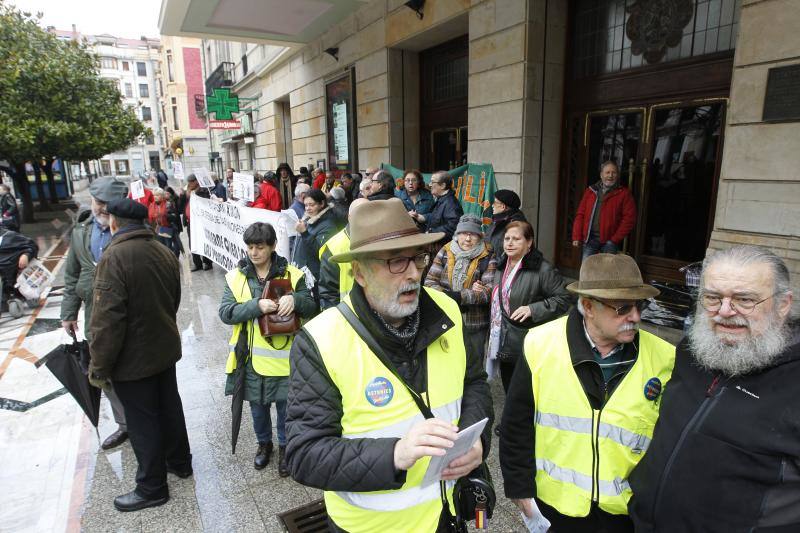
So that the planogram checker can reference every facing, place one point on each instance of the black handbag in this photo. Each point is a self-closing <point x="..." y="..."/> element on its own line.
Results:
<point x="473" y="491"/>
<point x="512" y="337"/>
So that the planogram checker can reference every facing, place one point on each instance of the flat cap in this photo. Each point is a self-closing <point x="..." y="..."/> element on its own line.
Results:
<point x="127" y="208"/>
<point x="108" y="189"/>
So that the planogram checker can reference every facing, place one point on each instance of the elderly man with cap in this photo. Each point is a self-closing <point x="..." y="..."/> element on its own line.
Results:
<point x="583" y="402"/>
<point x="360" y="373"/>
<point x="726" y="450"/>
<point x="90" y="237"/>
<point x="134" y="344"/>
<point x="505" y="210"/>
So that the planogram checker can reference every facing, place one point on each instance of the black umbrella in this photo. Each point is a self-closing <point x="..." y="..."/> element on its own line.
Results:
<point x="242" y="352"/>
<point x="69" y="364"/>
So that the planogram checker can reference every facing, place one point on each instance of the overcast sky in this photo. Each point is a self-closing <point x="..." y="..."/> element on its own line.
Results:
<point x="121" y="18"/>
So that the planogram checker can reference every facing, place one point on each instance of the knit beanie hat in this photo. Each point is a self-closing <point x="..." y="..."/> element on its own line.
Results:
<point x="508" y="197"/>
<point x="469" y="223"/>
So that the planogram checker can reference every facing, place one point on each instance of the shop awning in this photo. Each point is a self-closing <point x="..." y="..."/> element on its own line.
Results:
<point x="275" y="22"/>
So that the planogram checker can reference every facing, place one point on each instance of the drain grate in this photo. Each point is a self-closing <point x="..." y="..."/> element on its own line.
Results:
<point x="308" y="518"/>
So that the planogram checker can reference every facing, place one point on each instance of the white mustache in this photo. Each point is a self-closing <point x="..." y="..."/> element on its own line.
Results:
<point x="408" y="287"/>
<point x="732" y="321"/>
<point x="628" y="327"/>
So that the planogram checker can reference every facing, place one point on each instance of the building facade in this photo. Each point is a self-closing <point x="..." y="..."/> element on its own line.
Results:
<point x="133" y="65"/>
<point x="182" y="104"/>
<point x="545" y="91"/>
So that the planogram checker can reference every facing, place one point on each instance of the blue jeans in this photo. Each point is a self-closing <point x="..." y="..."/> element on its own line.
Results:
<point x="593" y="246"/>
<point x="262" y="422"/>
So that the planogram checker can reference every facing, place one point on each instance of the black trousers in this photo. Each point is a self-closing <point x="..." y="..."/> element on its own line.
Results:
<point x="156" y="428"/>
<point x="198" y="260"/>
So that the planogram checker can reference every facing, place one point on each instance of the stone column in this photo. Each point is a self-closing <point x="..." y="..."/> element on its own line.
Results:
<point x="758" y="200"/>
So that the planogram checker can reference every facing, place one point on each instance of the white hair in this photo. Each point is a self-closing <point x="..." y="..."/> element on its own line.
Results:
<point x="364" y="185"/>
<point x="301" y="188"/>
<point x="158" y="190"/>
<point x="579" y="305"/>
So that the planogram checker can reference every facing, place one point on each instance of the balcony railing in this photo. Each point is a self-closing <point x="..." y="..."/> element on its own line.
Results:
<point x="221" y="77"/>
<point x="200" y="105"/>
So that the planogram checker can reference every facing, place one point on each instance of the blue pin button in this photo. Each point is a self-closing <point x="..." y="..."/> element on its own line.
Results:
<point x="652" y="389"/>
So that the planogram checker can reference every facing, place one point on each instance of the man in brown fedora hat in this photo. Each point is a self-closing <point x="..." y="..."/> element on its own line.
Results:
<point x="360" y="374"/>
<point x="582" y="404"/>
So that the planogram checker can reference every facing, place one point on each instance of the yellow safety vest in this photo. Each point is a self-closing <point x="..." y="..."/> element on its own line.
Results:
<point x="375" y="404"/>
<point x="339" y="244"/>
<point x="270" y="356"/>
<point x="585" y="455"/>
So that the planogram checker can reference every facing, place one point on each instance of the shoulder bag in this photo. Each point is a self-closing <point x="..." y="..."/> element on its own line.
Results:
<point x="474" y="492"/>
<point x="273" y="323"/>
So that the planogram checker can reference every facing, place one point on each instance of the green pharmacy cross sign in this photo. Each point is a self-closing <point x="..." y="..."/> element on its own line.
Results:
<point x="222" y="104"/>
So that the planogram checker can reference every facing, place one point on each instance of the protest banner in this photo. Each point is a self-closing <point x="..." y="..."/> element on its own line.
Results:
<point x="137" y="189"/>
<point x="203" y="178"/>
<point x="177" y="170"/>
<point x="243" y="187"/>
<point x="474" y="186"/>
<point x="217" y="230"/>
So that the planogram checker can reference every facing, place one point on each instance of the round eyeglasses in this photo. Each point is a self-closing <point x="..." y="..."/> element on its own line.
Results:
<point x="743" y="305"/>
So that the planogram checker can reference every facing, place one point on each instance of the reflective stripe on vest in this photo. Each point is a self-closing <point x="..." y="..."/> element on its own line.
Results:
<point x="584" y="455"/>
<point x="339" y="244"/>
<point x="267" y="360"/>
<point x="375" y="404"/>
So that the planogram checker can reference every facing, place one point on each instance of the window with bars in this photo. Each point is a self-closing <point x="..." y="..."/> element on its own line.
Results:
<point x="450" y="80"/>
<point x="616" y="35"/>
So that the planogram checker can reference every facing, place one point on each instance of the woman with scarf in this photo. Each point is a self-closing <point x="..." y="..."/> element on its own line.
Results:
<point x="163" y="219"/>
<point x="505" y="209"/>
<point x="528" y="291"/>
<point x="314" y="229"/>
<point x="464" y="269"/>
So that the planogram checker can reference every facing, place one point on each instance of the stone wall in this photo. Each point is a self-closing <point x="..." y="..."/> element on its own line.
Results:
<point x="759" y="188"/>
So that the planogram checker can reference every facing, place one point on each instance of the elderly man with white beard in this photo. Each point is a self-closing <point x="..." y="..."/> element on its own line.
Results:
<point x="725" y="454"/>
<point x="360" y="373"/>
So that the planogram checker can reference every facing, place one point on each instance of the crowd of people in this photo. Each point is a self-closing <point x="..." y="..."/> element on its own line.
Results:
<point x="375" y="340"/>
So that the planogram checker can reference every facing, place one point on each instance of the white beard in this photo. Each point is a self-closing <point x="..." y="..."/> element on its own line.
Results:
<point x="749" y="354"/>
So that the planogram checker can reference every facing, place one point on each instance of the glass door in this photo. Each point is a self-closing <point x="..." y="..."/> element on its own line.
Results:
<point x="678" y="192"/>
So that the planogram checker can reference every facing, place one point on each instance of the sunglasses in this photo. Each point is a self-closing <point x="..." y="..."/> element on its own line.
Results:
<point x="625" y="309"/>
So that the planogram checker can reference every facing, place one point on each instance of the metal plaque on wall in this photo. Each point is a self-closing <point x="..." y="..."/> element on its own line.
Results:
<point x="782" y="99"/>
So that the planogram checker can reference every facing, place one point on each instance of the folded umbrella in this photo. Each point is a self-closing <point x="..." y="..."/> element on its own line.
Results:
<point x="69" y="364"/>
<point x="242" y="353"/>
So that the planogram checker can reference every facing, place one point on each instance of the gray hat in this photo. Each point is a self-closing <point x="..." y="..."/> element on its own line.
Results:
<point x="337" y="193"/>
<point x="108" y="189"/>
<point x="469" y="223"/>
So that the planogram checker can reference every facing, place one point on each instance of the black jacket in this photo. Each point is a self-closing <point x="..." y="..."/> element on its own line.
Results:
<point x="725" y="454"/>
<point x="308" y="243"/>
<point x="317" y="454"/>
<point x="517" y="450"/>
<point x="539" y="285"/>
<point x="496" y="232"/>
<point x="444" y="216"/>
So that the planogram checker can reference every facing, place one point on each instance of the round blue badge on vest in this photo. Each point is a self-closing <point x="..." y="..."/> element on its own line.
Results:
<point x="652" y="389"/>
<point x="379" y="391"/>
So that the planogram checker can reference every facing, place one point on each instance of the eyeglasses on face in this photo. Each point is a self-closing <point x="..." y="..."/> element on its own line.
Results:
<point x="398" y="265"/>
<point x="743" y="305"/>
<point x="622" y="310"/>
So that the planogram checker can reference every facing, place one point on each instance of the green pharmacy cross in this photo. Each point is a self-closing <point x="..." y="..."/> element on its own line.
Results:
<point x="222" y="104"/>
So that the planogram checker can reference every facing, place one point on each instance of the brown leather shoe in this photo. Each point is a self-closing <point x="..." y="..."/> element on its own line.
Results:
<point x="115" y="439"/>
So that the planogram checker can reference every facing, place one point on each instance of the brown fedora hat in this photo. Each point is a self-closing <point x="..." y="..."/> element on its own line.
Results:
<point x="613" y="277"/>
<point x="383" y="225"/>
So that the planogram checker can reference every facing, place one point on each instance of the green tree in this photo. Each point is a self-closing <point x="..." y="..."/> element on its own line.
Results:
<point x="53" y="103"/>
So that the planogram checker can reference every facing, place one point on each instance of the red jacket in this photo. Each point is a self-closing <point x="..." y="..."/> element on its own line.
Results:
<point x="319" y="181"/>
<point x="145" y="200"/>
<point x="270" y="198"/>
<point x="617" y="215"/>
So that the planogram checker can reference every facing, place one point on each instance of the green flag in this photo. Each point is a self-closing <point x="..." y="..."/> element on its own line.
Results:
<point x="473" y="184"/>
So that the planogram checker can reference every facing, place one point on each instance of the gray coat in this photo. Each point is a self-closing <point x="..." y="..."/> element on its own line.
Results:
<point x="79" y="271"/>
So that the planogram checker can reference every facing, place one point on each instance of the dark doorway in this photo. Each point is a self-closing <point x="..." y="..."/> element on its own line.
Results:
<point x="443" y="104"/>
<point x="155" y="161"/>
<point x="659" y="113"/>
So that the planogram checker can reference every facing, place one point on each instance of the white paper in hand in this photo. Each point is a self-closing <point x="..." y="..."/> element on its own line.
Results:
<point x="537" y="524"/>
<point x="464" y="441"/>
<point x="203" y="178"/>
<point x="177" y="170"/>
<point x="137" y="189"/>
<point x="243" y="185"/>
